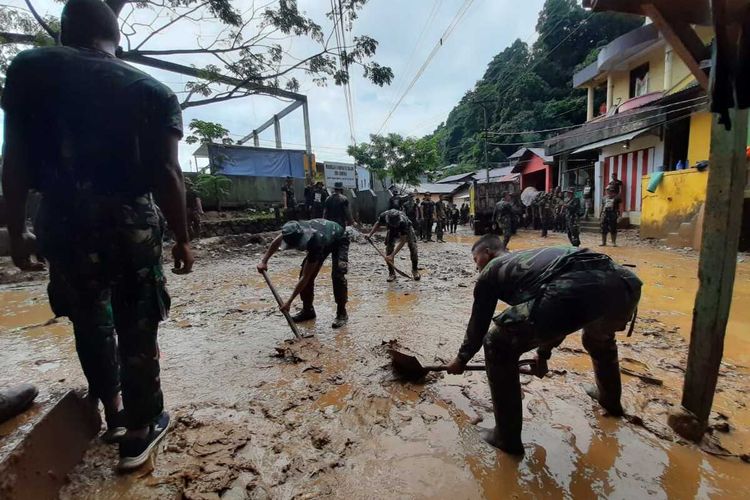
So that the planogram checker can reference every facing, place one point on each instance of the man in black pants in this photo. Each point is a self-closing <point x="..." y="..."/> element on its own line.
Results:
<point x="552" y="292"/>
<point x="399" y="229"/>
<point x="319" y="238"/>
<point x="99" y="139"/>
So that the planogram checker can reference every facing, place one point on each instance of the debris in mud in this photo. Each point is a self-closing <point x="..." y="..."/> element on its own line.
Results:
<point x="319" y="438"/>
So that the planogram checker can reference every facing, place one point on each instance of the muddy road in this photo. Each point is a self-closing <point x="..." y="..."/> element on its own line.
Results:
<point x="258" y="417"/>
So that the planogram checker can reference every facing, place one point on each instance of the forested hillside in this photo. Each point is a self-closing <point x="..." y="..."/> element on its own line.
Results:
<point x="528" y="88"/>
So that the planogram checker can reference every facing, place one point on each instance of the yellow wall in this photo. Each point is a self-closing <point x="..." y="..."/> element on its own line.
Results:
<point x="621" y="79"/>
<point x="700" y="137"/>
<point x="678" y="199"/>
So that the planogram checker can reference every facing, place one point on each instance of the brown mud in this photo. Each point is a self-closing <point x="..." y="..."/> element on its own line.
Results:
<point x="256" y="416"/>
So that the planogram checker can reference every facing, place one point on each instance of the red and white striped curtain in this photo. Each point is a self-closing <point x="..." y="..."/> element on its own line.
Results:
<point x="630" y="167"/>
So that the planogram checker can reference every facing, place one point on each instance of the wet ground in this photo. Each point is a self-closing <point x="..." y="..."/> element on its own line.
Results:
<point x="258" y="417"/>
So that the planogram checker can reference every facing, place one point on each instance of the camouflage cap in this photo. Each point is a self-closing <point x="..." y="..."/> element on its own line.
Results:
<point x="294" y="235"/>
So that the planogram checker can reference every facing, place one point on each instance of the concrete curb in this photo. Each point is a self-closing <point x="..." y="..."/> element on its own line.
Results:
<point x="41" y="452"/>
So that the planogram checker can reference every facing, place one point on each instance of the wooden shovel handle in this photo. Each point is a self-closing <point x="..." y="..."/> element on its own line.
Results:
<point x="473" y="368"/>
<point x="276" y="295"/>
<point x="399" y="271"/>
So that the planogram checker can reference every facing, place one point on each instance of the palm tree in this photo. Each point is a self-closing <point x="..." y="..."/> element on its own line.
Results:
<point x="213" y="187"/>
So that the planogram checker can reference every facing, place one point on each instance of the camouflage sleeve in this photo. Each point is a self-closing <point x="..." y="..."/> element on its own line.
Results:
<point x="481" y="316"/>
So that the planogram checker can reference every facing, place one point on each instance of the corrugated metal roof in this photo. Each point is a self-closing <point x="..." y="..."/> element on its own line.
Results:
<point x="456" y="178"/>
<point x="436" y="188"/>
<point x="537" y="151"/>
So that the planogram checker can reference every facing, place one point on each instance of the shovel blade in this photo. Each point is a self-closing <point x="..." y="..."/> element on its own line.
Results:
<point x="407" y="366"/>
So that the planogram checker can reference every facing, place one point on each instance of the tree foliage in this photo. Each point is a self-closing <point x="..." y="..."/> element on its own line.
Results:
<point x="528" y="88"/>
<point x="207" y="132"/>
<point x="213" y="187"/>
<point x="404" y="160"/>
<point x="247" y="54"/>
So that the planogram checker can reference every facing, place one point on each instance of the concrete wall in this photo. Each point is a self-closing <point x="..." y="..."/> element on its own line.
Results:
<point x="255" y="191"/>
<point x="677" y="202"/>
<point x="699" y="143"/>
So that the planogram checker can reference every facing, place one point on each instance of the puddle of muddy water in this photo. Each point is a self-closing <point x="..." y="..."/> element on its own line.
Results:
<point x="381" y="438"/>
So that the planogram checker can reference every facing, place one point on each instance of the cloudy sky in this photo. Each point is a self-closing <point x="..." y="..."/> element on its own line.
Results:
<point x="407" y="31"/>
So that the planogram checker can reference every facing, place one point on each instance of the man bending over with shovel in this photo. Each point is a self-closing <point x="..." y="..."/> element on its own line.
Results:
<point x="399" y="228"/>
<point x="553" y="292"/>
<point x="319" y="238"/>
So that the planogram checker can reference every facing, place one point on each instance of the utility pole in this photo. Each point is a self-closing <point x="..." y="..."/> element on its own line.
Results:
<point x="486" y="158"/>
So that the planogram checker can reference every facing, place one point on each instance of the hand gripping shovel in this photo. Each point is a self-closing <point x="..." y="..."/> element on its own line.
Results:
<point x="399" y="271"/>
<point x="410" y="368"/>
<point x="289" y="319"/>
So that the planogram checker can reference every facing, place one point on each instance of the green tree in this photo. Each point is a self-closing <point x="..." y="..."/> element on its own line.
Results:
<point x="254" y="46"/>
<point x="207" y="132"/>
<point x="529" y="88"/>
<point x="213" y="187"/>
<point x="402" y="159"/>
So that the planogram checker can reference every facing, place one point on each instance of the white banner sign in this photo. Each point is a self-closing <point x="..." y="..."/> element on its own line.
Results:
<point x="363" y="179"/>
<point x="345" y="173"/>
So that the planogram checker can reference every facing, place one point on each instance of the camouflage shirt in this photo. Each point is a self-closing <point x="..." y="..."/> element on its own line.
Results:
<point x="400" y="228"/>
<point x="514" y="278"/>
<point x="326" y="235"/>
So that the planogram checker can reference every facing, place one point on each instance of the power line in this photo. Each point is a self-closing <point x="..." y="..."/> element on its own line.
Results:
<point x="446" y="34"/>
<point x="428" y="22"/>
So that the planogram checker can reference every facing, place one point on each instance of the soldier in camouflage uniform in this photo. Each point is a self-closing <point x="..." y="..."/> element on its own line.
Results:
<point x="571" y="211"/>
<point x="96" y="144"/>
<point x="441" y="218"/>
<point x="552" y="292"/>
<point x="319" y="238"/>
<point x="428" y="211"/>
<point x="543" y="203"/>
<point x="503" y="217"/>
<point x="399" y="229"/>
<point x="610" y="214"/>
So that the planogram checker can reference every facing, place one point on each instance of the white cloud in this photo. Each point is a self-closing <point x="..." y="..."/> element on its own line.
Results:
<point x="487" y="28"/>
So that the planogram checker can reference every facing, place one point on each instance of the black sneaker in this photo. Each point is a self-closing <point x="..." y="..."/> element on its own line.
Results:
<point x="134" y="452"/>
<point x="304" y="315"/>
<point x="116" y="429"/>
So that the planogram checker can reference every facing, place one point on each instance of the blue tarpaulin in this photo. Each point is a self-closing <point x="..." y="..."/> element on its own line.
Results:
<point x="256" y="162"/>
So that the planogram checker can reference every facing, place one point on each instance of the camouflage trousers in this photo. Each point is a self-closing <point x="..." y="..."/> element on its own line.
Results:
<point x="411" y="242"/>
<point x="505" y="226"/>
<point x="609" y="222"/>
<point x="600" y="302"/>
<point x="106" y="276"/>
<point x="574" y="230"/>
<point x="440" y="229"/>
<point x="547" y="220"/>
<point x="339" y="270"/>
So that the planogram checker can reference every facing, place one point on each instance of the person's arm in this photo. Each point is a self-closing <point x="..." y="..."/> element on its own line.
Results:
<point x="199" y="205"/>
<point x="479" y="323"/>
<point x="401" y="242"/>
<point x="284" y="202"/>
<point x="16" y="184"/>
<point x="169" y="188"/>
<point x="348" y="213"/>
<point x="309" y="270"/>
<point x="272" y="249"/>
<point x="374" y="228"/>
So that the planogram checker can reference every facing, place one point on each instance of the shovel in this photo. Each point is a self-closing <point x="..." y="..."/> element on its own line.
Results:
<point x="399" y="271"/>
<point x="289" y="319"/>
<point x="410" y="368"/>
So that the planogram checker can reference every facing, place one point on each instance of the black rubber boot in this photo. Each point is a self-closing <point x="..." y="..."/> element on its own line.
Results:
<point x="604" y="240"/>
<point x="608" y="389"/>
<point x="15" y="400"/>
<point x="415" y="274"/>
<point x="341" y="318"/>
<point x="505" y="387"/>
<point x="391" y="277"/>
<point x="614" y="239"/>
<point x="306" y="314"/>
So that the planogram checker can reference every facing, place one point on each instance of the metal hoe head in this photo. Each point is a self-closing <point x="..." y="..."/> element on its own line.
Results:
<point x="407" y="366"/>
